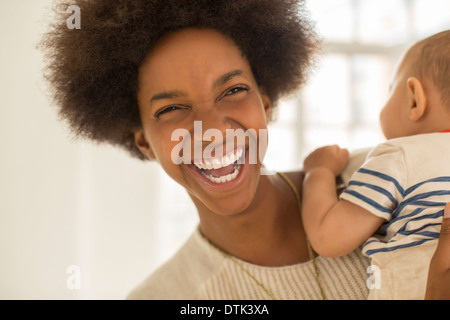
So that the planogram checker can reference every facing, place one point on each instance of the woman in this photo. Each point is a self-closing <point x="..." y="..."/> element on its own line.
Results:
<point x="139" y="71"/>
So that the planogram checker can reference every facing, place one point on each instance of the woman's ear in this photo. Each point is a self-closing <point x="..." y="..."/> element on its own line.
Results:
<point x="141" y="142"/>
<point x="417" y="101"/>
<point x="267" y="103"/>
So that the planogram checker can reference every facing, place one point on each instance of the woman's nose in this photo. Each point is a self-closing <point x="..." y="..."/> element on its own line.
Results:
<point x="211" y="123"/>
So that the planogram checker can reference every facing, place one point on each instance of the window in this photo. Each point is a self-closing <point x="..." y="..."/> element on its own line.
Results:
<point x="363" y="40"/>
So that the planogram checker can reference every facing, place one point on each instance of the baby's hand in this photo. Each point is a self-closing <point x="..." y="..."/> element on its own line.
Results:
<point x="332" y="158"/>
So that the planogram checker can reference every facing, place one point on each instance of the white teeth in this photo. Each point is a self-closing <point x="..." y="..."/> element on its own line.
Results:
<point x="216" y="164"/>
<point x="225" y="161"/>
<point x="226" y="178"/>
<point x="220" y="163"/>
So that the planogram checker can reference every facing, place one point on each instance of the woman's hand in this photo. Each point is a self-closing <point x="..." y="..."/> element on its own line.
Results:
<point x="438" y="284"/>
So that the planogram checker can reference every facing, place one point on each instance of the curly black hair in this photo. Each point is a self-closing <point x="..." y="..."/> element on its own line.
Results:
<point x="93" y="71"/>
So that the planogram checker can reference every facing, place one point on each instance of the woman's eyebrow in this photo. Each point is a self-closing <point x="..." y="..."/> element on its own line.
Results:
<point x="168" y="95"/>
<point x="227" y="77"/>
<point x="179" y="94"/>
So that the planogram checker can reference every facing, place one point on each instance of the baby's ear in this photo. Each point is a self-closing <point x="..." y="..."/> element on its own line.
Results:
<point x="141" y="142"/>
<point x="417" y="101"/>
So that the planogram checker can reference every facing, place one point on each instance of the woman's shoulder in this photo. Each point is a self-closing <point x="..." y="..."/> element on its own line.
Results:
<point x="296" y="177"/>
<point x="181" y="276"/>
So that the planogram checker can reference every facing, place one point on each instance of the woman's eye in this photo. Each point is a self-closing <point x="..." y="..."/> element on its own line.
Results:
<point x="166" y="110"/>
<point x="236" y="90"/>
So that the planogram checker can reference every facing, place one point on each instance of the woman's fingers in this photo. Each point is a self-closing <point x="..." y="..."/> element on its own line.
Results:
<point x="438" y="285"/>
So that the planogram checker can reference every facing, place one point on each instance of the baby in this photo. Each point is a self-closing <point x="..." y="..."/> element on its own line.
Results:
<point x="394" y="203"/>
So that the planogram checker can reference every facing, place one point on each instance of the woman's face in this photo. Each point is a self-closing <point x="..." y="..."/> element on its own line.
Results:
<point x="198" y="78"/>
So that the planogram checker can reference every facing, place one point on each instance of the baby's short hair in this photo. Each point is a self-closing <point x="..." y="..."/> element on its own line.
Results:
<point x="94" y="70"/>
<point x="431" y="62"/>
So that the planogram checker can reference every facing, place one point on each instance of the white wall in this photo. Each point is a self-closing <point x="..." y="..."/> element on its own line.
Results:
<point x="65" y="202"/>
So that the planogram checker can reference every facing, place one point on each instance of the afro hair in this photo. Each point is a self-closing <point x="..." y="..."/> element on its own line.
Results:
<point x="93" y="71"/>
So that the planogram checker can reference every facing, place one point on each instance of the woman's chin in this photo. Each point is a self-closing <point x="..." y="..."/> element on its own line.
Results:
<point x="233" y="198"/>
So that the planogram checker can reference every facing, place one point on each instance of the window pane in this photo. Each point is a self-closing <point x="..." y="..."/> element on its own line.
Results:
<point x="431" y="16"/>
<point x="370" y="83"/>
<point x="333" y="18"/>
<point x="382" y="21"/>
<point x="327" y="97"/>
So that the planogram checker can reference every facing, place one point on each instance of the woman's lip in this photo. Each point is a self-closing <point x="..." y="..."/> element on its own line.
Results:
<point x="225" y="186"/>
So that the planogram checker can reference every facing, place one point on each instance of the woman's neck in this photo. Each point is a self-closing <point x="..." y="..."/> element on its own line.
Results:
<point x="269" y="232"/>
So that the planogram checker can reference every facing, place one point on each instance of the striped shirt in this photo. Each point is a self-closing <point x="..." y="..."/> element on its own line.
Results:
<point x="406" y="181"/>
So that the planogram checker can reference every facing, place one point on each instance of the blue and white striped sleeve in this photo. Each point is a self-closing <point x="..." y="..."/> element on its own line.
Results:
<point x="378" y="185"/>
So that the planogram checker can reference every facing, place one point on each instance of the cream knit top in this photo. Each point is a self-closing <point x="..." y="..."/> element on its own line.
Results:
<point x="199" y="270"/>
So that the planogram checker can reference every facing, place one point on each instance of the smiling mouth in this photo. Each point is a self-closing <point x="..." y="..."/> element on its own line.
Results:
<point x="222" y="170"/>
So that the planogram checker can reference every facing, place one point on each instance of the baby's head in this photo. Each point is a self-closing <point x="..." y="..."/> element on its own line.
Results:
<point x="419" y="99"/>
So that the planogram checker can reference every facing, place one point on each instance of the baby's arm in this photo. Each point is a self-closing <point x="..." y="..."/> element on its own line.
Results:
<point x="334" y="227"/>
